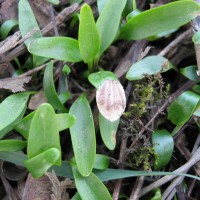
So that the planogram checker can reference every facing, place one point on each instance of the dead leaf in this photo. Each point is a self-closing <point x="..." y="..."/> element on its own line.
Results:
<point x="15" y="84"/>
<point x="59" y="188"/>
<point x="36" y="100"/>
<point x="37" y="189"/>
<point x="47" y="187"/>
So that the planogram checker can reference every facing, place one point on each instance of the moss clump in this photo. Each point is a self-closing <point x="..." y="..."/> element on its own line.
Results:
<point x="143" y="158"/>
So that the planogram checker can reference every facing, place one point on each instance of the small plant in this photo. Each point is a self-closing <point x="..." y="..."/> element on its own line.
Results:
<point x="41" y="128"/>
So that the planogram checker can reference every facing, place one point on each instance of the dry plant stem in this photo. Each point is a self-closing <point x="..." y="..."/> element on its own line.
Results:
<point x="118" y="184"/>
<point x="178" y="180"/>
<point x="55" y="28"/>
<point x="191" y="187"/>
<point x="32" y="71"/>
<point x="171" y="187"/>
<point x="195" y="158"/>
<point x="171" y="196"/>
<point x="15" y="40"/>
<point x="136" y="189"/>
<point x="173" y="44"/>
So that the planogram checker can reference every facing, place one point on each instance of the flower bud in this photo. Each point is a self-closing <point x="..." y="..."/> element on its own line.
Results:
<point x="111" y="100"/>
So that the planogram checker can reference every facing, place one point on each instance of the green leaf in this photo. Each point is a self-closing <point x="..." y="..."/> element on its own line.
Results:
<point x="108" y="23"/>
<point x="113" y="174"/>
<point x="60" y="48"/>
<point x="104" y="175"/>
<point x="27" y="21"/>
<point x="12" y="110"/>
<point x="148" y="66"/>
<point x="7" y="26"/>
<point x="196" y="37"/>
<point x="101" y="162"/>
<point x="12" y="145"/>
<point x="43" y="133"/>
<point x="132" y="14"/>
<point x="90" y="187"/>
<point x="88" y="36"/>
<point x="75" y="1"/>
<point x="49" y="89"/>
<point x="183" y="107"/>
<point x="64" y="121"/>
<point x="40" y="163"/>
<point x="23" y="125"/>
<point x="157" y="195"/>
<point x="196" y="88"/>
<point x="76" y="197"/>
<point x="190" y="72"/>
<point x="83" y="136"/>
<point x="101" y="4"/>
<point x="98" y="78"/>
<point x="163" y="146"/>
<point x="108" y="131"/>
<point x="55" y="2"/>
<point x="159" y="19"/>
<point x="197" y="112"/>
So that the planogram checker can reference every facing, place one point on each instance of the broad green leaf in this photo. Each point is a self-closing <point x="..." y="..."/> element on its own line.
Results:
<point x="108" y="131"/>
<point x="64" y="121"/>
<point x="196" y="37"/>
<point x="44" y="132"/>
<point x="49" y="89"/>
<point x="12" y="145"/>
<point x="7" y="26"/>
<point x="108" y="23"/>
<point x="190" y="72"/>
<point x="90" y="187"/>
<point x="98" y="78"/>
<point x="163" y="144"/>
<point x="60" y="48"/>
<point x="55" y="2"/>
<point x="76" y="197"/>
<point x="12" y="110"/>
<point x="101" y="4"/>
<point x="88" y="36"/>
<point x="148" y="66"/>
<point x="39" y="164"/>
<point x="183" y="107"/>
<point x="101" y="162"/>
<point x="132" y="14"/>
<point x="160" y="19"/>
<point x="23" y="125"/>
<point x="83" y="136"/>
<point x="27" y="21"/>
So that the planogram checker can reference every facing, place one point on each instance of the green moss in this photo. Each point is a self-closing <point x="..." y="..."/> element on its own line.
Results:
<point x="143" y="158"/>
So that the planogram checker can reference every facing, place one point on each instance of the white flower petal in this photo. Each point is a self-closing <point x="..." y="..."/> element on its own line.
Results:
<point x="111" y="100"/>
